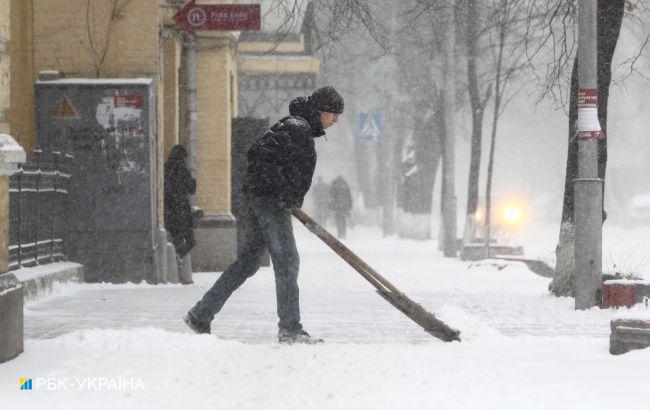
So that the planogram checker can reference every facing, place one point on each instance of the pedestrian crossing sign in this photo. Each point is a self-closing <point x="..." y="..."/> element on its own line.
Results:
<point x="370" y="126"/>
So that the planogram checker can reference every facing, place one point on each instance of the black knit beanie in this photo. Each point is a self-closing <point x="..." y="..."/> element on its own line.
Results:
<point x="327" y="99"/>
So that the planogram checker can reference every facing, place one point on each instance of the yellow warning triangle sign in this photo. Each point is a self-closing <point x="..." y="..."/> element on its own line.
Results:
<point x="65" y="109"/>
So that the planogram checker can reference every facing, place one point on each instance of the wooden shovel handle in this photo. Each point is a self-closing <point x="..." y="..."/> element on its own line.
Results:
<point x="371" y="275"/>
<point x="412" y="310"/>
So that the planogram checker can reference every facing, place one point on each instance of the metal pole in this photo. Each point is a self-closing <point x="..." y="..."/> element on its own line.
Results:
<point x="192" y="102"/>
<point x="388" y="141"/>
<point x="588" y="187"/>
<point x="192" y="49"/>
<point x="386" y="183"/>
<point x="448" y="168"/>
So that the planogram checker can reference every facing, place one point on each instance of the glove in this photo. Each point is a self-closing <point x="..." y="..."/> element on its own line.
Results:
<point x="286" y="203"/>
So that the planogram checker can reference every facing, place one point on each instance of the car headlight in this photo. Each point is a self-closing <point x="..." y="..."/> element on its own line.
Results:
<point x="512" y="214"/>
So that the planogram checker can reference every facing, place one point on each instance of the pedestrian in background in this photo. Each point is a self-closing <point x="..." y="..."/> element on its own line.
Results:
<point x="321" y="196"/>
<point x="340" y="204"/>
<point x="179" y="185"/>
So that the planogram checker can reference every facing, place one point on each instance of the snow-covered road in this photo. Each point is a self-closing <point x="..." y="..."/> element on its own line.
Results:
<point x="521" y="348"/>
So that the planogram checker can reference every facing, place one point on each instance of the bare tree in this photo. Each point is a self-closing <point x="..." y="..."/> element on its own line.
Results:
<point x="327" y="22"/>
<point x="408" y="97"/>
<point x="507" y="62"/>
<point x="479" y="95"/>
<point x="494" y="56"/>
<point x="422" y="114"/>
<point x="610" y="18"/>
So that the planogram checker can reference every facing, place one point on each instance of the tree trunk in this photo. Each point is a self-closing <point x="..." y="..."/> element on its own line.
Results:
<point x="610" y="18"/>
<point x="477" y="105"/>
<point x="498" y="94"/>
<point x="418" y="176"/>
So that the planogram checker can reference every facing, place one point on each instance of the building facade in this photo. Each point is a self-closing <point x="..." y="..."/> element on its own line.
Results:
<point x="125" y="39"/>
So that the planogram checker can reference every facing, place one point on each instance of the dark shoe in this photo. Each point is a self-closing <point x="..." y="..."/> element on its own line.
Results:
<point x="196" y="325"/>
<point x="297" y="336"/>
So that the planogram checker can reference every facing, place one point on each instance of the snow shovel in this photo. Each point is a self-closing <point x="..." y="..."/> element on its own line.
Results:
<point x="428" y="321"/>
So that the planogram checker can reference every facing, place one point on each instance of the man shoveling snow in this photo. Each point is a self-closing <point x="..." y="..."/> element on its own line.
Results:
<point x="280" y="169"/>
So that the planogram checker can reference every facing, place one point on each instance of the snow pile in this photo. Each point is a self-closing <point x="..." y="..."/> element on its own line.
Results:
<point x="145" y="339"/>
<point x="521" y="348"/>
<point x="203" y="372"/>
<point x="472" y="328"/>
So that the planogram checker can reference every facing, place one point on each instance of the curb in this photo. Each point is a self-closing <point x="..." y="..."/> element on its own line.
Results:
<point x="38" y="280"/>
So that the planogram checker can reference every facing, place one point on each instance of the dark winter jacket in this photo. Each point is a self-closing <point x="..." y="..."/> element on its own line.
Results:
<point x="179" y="185"/>
<point x="340" y="197"/>
<point x="281" y="163"/>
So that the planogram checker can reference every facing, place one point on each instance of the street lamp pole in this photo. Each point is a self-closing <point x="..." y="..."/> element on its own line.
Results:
<point x="448" y="167"/>
<point x="588" y="187"/>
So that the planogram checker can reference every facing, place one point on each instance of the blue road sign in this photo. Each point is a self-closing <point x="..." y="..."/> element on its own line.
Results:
<point x="370" y="126"/>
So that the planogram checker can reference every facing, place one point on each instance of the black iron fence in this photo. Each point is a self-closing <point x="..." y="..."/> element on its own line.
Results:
<point x="38" y="196"/>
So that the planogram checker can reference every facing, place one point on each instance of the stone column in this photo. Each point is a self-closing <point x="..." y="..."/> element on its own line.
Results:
<point x="4" y="224"/>
<point x="11" y="290"/>
<point x="216" y="235"/>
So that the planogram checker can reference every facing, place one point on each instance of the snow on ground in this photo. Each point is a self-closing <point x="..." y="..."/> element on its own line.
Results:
<point x="521" y="348"/>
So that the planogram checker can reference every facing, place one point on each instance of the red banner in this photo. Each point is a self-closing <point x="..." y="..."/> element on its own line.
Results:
<point x="220" y="17"/>
<point x="587" y="97"/>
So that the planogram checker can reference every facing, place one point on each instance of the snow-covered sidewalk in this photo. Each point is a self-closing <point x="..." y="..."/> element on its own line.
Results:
<point x="521" y="348"/>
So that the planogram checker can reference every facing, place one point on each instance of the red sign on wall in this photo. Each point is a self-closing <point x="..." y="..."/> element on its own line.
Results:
<point x="221" y="17"/>
<point x="128" y="101"/>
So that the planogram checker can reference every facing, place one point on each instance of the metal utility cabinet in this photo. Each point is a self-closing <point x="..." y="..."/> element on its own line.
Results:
<point x="109" y="127"/>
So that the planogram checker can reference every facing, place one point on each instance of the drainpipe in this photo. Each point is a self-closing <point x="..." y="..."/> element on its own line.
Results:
<point x="192" y="104"/>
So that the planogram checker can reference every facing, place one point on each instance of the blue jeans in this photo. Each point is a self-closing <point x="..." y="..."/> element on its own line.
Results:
<point x="269" y="227"/>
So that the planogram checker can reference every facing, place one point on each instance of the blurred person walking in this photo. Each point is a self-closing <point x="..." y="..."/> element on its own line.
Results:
<point x="179" y="185"/>
<point x="321" y="198"/>
<point x="340" y="204"/>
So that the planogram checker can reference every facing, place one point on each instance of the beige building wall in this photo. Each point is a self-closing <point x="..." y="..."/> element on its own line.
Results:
<point x="5" y="90"/>
<point x="278" y="64"/>
<point x="5" y="35"/>
<point x="5" y="21"/>
<point x="171" y="64"/>
<point x="21" y="113"/>
<point x="92" y="39"/>
<point x="5" y="66"/>
<point x="215" y="96"/>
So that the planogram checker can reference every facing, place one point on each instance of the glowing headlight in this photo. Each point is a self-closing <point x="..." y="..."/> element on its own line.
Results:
<point x="511" y="214"/>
